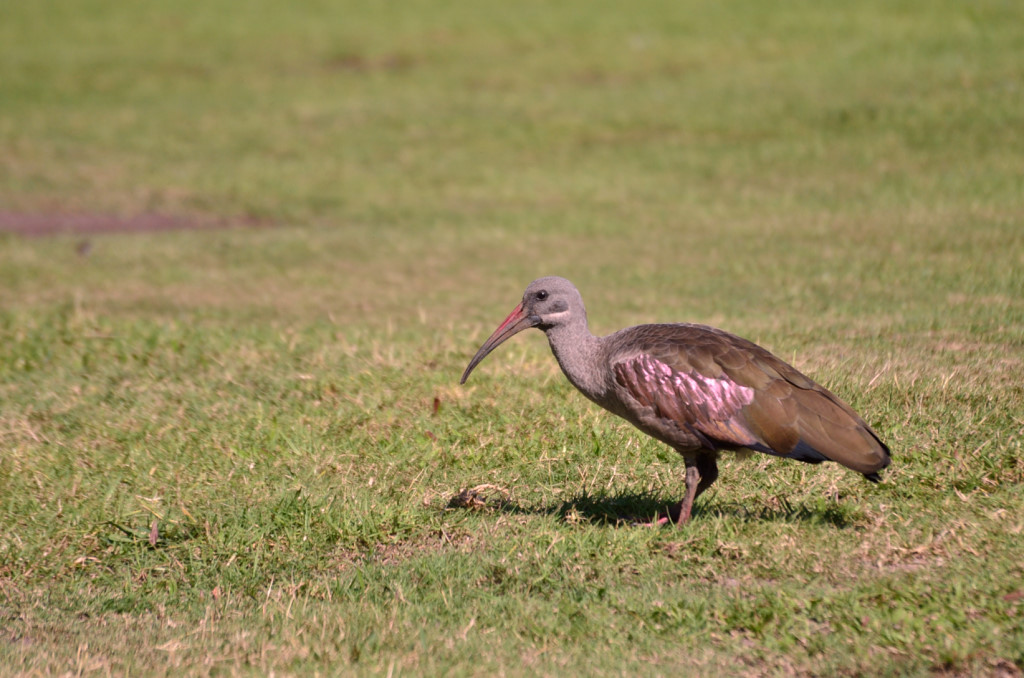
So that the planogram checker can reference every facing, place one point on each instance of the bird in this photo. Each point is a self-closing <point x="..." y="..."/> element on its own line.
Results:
<point x="699" y="389"/>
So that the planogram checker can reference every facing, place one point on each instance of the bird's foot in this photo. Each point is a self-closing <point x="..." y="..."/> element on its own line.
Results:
<point x="661" y="520"/>
<point x="670" y="516"/>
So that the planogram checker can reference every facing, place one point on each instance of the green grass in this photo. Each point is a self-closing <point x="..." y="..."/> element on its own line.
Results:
<point x="839" y="183"/>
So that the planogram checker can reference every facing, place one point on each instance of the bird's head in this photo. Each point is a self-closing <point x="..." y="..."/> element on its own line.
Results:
<point x="548" y="303"/>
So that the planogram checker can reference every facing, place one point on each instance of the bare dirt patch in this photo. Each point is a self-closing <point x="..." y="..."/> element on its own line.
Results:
<point x="401" y="551"/>
<point x="351" y="62"/>
<point x="44" y="224"/>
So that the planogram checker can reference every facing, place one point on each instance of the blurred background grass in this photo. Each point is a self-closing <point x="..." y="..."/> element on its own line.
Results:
<point x="685" y="141"/>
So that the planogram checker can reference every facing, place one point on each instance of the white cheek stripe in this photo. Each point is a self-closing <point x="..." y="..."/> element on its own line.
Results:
<point x="550" y="318"/>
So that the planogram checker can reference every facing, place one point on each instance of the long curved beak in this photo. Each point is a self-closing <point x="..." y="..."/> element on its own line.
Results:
<point x="516" y="322"/>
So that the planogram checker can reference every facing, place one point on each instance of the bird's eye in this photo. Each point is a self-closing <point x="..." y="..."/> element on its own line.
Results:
<point x="542" y="295"/>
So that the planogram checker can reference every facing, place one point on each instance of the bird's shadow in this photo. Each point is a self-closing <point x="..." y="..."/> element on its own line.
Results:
<point x="630" y="509"/>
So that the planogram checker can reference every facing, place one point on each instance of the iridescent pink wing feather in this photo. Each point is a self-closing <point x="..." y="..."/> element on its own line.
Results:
<point x="709" y="408"/>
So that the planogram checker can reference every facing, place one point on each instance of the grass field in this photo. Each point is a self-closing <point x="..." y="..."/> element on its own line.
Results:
<point x="232" y="448"/>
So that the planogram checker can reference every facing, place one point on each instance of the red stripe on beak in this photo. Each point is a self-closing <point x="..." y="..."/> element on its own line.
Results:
<point x="515" y="323"/>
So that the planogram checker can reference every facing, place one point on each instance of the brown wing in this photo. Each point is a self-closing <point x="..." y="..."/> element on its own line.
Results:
<point x="708" y="409"/>
<point x="737" y="394"/>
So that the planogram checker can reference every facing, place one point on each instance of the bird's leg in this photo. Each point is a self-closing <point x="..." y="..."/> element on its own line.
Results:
<point x="680" y="513"/>
<point x="700" y="474"/>
<point x="693" y="481"/>
<point x="707" y="466"/>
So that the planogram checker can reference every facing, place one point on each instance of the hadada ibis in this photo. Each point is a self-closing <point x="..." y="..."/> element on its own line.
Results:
<point x="699" y="389"/>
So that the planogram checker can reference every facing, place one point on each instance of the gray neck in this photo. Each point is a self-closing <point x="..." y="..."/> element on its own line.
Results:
<point x="579" y="354"/>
